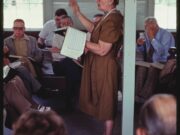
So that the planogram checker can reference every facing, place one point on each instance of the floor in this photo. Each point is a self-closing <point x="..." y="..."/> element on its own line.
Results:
<point x="77" y="123"/>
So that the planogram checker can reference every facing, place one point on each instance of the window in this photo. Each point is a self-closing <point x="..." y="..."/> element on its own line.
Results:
<point x="165" y="12"/>
<point x="31" y="11"/>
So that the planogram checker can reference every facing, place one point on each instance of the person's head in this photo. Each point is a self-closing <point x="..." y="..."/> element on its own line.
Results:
<point x="66" y="21"/>
<point x="150" y="23"/>
<point x="106" y="5"/>
<point x="39" y="123"/>
<point x="58" y="15"/>
<point x="19" y="28"/>
<point x="158" y="116"/>
<point x="97" y="17"/>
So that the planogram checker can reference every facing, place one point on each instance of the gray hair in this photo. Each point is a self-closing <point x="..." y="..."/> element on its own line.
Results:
<point x="150" y="19"/>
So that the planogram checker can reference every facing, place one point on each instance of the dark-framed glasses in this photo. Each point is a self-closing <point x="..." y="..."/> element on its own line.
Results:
<point x="18" y="28"/>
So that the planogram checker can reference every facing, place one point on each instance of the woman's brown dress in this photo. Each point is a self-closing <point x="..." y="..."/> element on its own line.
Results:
<point x="99" y="84"/>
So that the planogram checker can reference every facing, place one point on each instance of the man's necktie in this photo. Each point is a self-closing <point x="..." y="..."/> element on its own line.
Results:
<point x="150" y="54"/>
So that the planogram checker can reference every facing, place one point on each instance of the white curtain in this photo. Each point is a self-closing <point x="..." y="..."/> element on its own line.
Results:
<point x="165" y="12"/>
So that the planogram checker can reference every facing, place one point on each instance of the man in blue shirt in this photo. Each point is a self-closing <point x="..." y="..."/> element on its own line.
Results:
<point x="154" y="45"/>
<point x="160" y="39"/>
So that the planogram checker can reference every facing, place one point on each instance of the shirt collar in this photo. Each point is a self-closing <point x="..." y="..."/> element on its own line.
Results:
<point x="25" y="37"/>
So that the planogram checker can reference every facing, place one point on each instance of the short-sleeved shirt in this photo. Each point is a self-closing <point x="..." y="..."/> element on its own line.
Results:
<point x="47" y="32"/>
<point x="99" y="85"/>
<point x="21" y="47"/>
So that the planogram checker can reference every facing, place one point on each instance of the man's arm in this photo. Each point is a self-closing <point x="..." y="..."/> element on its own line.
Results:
<point x="41" y="43"/>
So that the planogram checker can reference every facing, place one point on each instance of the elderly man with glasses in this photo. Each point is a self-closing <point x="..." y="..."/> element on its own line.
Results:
<point x="22" y="45"/>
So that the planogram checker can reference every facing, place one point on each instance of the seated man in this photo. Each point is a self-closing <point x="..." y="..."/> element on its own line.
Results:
<point x="17" y="68"/>
<point x="158" y="116"/>
<point x="22" y="45"/>
<point x="46" y="34"/>
<point x="66" y="66"/>
<point x="18" y="87"/>
<point x="17" y="99"/>
<point x="45" y="39"/>
<point x="154" y="46"/>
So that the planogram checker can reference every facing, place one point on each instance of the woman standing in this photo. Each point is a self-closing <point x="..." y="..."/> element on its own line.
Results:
<point x="99" y="85"/>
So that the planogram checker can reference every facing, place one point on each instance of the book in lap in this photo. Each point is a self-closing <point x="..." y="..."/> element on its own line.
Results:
<point x="74" y="43"/>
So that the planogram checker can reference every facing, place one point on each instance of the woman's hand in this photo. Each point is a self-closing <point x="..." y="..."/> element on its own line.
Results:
<point x="54" y="50"/>
<point x="85" y="50"/>
<point x="74" y="6"/>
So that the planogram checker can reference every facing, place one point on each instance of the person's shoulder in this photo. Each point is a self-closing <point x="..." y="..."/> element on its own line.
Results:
<point x="50" y="22"/>
<point x="117" y="15"/>
<point x="30" y="37"/>
<point x="8" y="38"/>
<point x="165" y="32"/>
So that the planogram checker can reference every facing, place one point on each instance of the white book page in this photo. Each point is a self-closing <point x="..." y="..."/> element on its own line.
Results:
<point x="74" y="43"/>
<point x="57" y="41"/>
<point x="5" y="71"/>
<point x="15" y="64"/>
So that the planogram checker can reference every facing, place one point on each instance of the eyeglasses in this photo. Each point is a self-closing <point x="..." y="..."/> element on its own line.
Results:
<point x="18" y="28"/>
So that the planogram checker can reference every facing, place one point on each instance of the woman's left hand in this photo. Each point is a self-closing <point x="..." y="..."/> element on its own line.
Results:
<point x="74" y="6"/>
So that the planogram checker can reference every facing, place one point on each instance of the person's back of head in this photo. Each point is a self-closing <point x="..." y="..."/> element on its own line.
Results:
<point x="158" y="116"/>
<point x="60" y="12"/>
<point x="39" y="123"/>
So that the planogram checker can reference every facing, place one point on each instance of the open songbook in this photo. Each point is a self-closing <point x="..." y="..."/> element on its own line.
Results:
<point x="74" y="43"/>
<point x="61" y="31"/>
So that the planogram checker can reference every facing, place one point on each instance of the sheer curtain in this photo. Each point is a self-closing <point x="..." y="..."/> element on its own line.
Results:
<point x="165" y="12"/>
<point x="31" y="11"/>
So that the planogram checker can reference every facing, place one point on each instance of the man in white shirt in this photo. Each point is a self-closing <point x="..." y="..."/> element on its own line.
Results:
<point x="46" y="34"/>
<point x="66" y="66"/>
<point x="46" y="39"/>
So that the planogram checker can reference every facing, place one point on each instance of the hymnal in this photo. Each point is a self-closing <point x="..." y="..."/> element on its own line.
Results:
<point x="74" y="43"/>
<point x="61" y="31"/>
